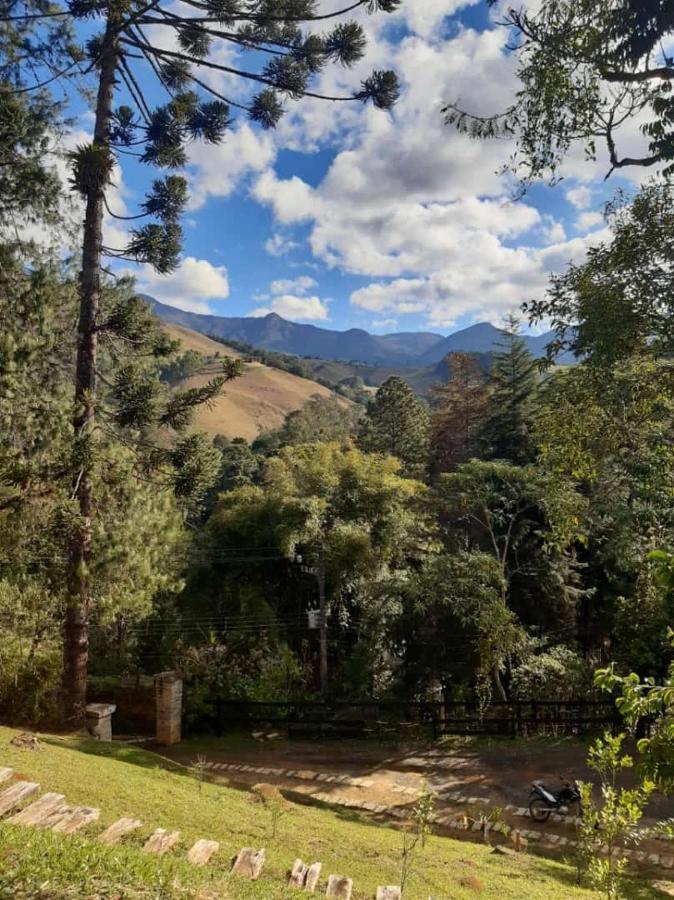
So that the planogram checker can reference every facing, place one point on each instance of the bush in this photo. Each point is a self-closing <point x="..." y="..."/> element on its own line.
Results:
<point x="29" y="680"/>
<point x="556" y="673"/>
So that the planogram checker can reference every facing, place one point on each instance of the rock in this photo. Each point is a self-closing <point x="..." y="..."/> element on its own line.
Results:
<point x="37" y="812"/>
<point x="202" y="851"/>
<point x="161" y="841"/>
<point x="504" y="851"/>
<point x="339" y="886"/>
<point x="390" y="892"/>
<point x="119" y="829"/>
<point x="26" y="741"/>
<point x="249" y="863"/>
<point x="16" y="794"/>
<point x="5" y="774"/>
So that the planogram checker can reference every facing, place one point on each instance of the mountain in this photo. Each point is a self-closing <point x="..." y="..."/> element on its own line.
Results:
<point x="258" y="401"/>
<point x="403" y="349"/>
<point x="485" y="338"/>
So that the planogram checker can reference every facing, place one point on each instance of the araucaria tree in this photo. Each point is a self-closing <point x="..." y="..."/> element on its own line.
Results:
<point x="174" y="43"/>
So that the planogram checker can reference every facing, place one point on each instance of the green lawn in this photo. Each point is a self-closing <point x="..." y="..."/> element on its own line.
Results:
<point x="125" y="780"/>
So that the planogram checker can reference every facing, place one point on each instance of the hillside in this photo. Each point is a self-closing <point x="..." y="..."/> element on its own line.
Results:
<point x="256" y="402"/>
<point x="124" y="780"/>
<point x="404" y="349"/>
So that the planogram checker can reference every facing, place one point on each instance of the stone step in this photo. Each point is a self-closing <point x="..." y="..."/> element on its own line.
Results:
<point x="161" y="841"/>
<point x="119" y="829"/>
<point x="202" y="851"/>
<point x="16" y="794"/>
<point x="304" y="877"/>
<point x="249" y="863"/>
<point x="75" y="819"/>
<point x="339" y="886"/>
<point x="39" y="811"/>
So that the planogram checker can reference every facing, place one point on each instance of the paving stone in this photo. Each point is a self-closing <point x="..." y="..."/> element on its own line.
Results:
<point x="161" y="841"/>
<point x="76" y="818"/>
<point x="654" y="859"/>
<point x="305" y="877"/>
<point x="639" y="855"/>
<point x="5" y="773"/>
<point x="390" y="892"/>
<point x="249" y="863"/>
<point x="119" y="829"/>
<point x="38" y="811"/>
<point x="16" y="794"/>
<point x="520" y="811"/>
<point x="202" y="851"/>
<point x="339" y="886"/>
<point x="667" y="861"/>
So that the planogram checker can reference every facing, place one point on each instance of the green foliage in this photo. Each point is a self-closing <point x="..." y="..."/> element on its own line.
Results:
<point x="611" y="824"/>
<point x="320" y="420"/>
<point x="585" y="69"/>
<point x="618" y="302"/>
<point x="619" y="451"/>
<point x="461" y="599"/>
<point x="512" y="381"/>
<point x="555" y="673"/>
<point x="396" y="424"/>
<point x="637" y="699"/>
<point x="422" y="818"/>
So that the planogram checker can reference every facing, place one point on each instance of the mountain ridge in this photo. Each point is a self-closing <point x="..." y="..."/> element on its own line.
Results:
<point x="412" y="348"/>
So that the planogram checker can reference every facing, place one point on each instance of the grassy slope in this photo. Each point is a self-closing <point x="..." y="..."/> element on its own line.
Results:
<point x="125" y="780"/>
<point x="256" y="402"/>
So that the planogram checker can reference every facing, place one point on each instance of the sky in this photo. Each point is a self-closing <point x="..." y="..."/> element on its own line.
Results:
<point x="346" y="216"/>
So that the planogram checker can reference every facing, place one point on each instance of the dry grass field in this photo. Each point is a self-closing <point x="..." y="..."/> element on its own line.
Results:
<point x="256" y="402"/>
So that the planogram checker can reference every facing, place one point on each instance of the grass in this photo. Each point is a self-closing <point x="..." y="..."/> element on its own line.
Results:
<point x="126" y="780"/>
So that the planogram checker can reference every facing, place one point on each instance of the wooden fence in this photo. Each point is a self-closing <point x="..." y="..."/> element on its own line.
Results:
<point x="392" y="718"/>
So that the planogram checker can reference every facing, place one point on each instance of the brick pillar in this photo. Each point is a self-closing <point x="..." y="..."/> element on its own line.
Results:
<point x="168" y="688"/>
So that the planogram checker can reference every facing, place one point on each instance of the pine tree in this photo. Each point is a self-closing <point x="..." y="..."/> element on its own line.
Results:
<point x="459" y="410"/>
<point x="29" y="120"/>
<point x="285" y="59"/>
<point x="513" y="381"/>
<point x="396" y="424"/>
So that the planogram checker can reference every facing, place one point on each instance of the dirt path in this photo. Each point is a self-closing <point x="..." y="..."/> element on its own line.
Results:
<point x="385" y="780"/>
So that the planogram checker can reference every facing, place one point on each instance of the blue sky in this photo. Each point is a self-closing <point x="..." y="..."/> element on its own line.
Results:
<point x="346" y="216"/>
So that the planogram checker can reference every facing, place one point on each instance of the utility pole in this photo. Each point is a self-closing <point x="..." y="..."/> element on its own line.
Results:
<point x="320" y="577"/>
<point x="318" y="571"/>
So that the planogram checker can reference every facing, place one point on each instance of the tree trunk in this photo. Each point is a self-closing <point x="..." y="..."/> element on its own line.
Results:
<point x="76" y="632"/>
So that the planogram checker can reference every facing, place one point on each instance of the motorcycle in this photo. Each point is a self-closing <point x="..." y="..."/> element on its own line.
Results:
<point x="543" y="801"/>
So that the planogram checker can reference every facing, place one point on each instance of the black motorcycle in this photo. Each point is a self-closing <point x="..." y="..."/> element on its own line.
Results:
<point x="543" y="801"/>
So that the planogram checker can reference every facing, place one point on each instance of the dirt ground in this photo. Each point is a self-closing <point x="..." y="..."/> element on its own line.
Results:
<point x="499" y="771"/>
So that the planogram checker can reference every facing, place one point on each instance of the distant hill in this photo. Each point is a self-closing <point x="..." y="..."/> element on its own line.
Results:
<point x="256" y="402"/>
<point x="403" y="349"/>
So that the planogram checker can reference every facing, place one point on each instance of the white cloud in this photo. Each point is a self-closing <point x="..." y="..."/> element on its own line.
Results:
<point x="300" y="285"/>
<point x="580" y="197"/>
<point x="384" y="323"/>
<point x="279" y="245"/>
<point x="189" y="287"/>
<point x="588" y="220"/>
<point x="217" y="169"/>
<point x="292" y="307"/>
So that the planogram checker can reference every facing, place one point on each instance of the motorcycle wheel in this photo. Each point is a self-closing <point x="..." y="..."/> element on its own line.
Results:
<point x="539" y="809"/>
